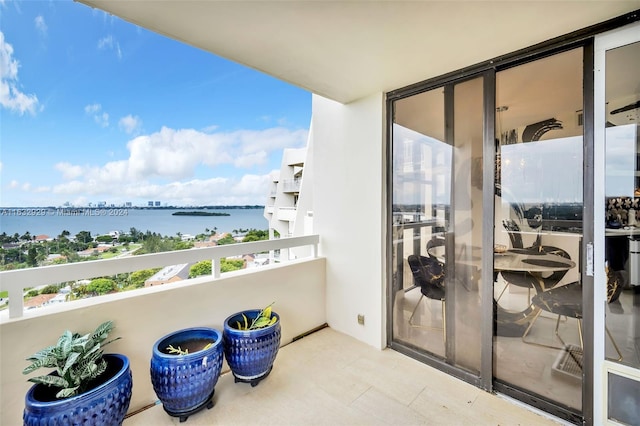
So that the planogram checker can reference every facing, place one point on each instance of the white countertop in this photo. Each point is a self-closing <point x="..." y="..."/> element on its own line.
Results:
<point x="631" y="231"/>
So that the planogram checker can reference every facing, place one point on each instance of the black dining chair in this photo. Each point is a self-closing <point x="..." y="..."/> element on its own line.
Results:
<point x="428" y="274"/>
<point x="564" y="300"/>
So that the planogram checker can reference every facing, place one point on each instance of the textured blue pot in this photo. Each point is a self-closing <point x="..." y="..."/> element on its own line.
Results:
<point x="105" y="404"/>
<point x="185" y="383"/>
<point x="250" y="353"/>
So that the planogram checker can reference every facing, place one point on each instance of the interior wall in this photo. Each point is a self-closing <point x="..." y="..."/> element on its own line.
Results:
<point x="348" y="212"/>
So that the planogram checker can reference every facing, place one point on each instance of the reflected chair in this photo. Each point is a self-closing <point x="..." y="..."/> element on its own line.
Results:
<point x="428" y="274"/>
<point x="435" y="241"/>
<point x="564" y="300"/>
<point x="525" y="279"/>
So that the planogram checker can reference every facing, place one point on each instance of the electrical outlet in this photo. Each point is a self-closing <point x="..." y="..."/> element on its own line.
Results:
<point x="360" y="319"/>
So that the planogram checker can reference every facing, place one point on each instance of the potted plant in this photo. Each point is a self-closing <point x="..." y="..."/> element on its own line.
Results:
<point x="251" y="343"/>
<point x="185" y="367"/>
<point x="87" y="387"/>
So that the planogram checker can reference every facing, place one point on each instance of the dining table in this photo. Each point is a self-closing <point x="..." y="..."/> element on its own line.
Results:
<point x="528" y="260"/>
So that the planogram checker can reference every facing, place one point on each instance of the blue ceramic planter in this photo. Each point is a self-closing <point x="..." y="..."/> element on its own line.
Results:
<point x="105" y="404"/>
<point x="250" y="353"/>
<point x="185" y="383"/>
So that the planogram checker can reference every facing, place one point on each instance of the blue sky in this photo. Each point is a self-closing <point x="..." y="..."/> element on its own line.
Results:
<point x="93" y="108"/>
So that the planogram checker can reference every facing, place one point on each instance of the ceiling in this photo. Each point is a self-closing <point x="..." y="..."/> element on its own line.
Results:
<point x="346" y="50"/>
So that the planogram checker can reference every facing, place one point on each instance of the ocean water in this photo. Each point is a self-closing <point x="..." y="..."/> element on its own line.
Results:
<point x="51" y="222"/>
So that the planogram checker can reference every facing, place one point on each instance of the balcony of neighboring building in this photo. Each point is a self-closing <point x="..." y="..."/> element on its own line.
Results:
<point x="286" y="214"/>
<point x="290" y="186"/>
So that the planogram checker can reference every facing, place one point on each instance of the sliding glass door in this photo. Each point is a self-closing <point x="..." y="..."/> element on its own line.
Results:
<point x="617" y="225"/>
<point x="514" y="210"/>
<point x="437" y="218"/>
<point x="538" y="345"/>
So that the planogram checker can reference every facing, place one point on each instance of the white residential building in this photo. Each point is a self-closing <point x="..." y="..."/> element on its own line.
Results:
<point x="289" y="208"/>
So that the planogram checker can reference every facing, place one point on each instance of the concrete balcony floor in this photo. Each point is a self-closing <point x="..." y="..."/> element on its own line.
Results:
<point x="328" y="378"/>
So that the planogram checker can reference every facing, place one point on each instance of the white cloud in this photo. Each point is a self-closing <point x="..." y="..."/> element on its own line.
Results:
<point x="93" y="108"/>
<point x="11" y="97"/>
<point x="174" y="154"/>
<point x="41" y="25"/>
<point x="162" y="165"/>
<point x="110" y="43"/>
<point x="248" y="189"/>
<point x="130" y="124"/>
<point x="249" y="160"/>
<point x="68" y="170"/>
<point x="99" y="116"/>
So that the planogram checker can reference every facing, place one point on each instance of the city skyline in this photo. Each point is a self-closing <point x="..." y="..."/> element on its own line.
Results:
<point x="95" y="109"/>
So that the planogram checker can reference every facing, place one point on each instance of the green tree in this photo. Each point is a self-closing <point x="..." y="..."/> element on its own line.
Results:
<point x="101" y="286"/>
<point x="201" y="268"/>
<point x="183" y="245"/>
<point x="31" y="256"/>
<point x="50" y="289"/>
<point x="227" y="239"/>
<point x="138" y="278"/>
<point x="154" y="243"/>
<point x="228" y="265"/>
<point x="135" y="235"/>
<point x="255" y="235"/>
<point x="104" y="239"/>
<point x="84" y="237"/>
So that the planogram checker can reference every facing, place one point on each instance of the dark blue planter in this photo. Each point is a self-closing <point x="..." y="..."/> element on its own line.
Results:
<point x="185" y="383"/>
<point x="105" y="404"/>
<point x="250" y="353"/>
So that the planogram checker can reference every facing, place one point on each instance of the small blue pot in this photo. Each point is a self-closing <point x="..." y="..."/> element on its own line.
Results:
<point x="105" y="404"/>
<point x="250" y="353"/>
<point x="185" y="383"/>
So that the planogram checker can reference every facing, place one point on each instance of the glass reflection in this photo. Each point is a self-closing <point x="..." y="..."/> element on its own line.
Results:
<point x="622" y="205"/>
<point x="538" y="229"/>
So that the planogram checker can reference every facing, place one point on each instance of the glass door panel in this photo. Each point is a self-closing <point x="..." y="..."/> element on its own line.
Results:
<point x="421" y="205"/>
<point x="622" y="208"/>
<point x="538" y="229"/>
<point x="437" y="218"/>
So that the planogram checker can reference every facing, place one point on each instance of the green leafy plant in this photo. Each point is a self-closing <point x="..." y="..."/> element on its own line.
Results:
<point x="179" y="351"/>
<point x="77" y="360"/>
<point x="264" y="319"/>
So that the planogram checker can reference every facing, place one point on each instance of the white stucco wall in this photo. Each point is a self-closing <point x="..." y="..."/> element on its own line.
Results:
<point x="349" y="210"/>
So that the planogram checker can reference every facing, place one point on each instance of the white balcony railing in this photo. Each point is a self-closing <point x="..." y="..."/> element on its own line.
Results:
<point x="291" y="185"/>
<point x="142" y="316"/>
<point x="17" y="280"/>
<point x="287" y="213"/>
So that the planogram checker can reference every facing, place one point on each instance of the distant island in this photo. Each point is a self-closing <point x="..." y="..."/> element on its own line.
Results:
<point x="195" y="213"/>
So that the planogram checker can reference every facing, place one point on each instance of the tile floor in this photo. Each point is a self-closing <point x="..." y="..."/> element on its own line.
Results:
<point x="530" y="367"/>
<point x="328" y="378"/>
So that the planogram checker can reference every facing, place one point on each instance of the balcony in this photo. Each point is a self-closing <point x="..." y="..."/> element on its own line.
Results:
<point x="142" y="316"/>
<point x="287" y="214"/>
<point x="328" y="378"/>
<point x="325" y="377"/>
<point x="291" y="185"/>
